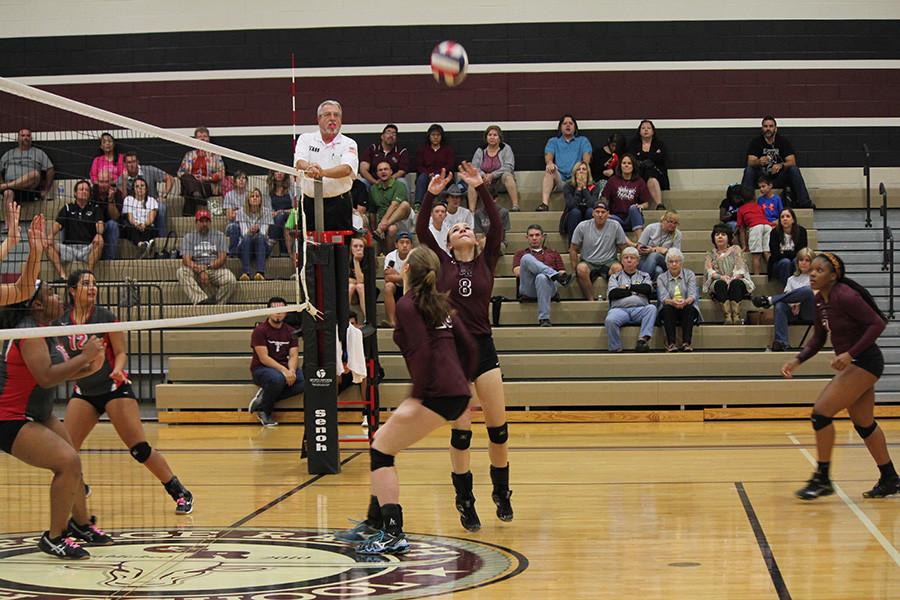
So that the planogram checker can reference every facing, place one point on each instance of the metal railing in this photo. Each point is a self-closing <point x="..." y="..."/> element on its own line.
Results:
<point x="134" y="301"/>
<point x="867" y="174"/>
<point x="887" y="248"/>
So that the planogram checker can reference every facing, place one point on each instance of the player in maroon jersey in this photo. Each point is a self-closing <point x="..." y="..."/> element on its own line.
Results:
<point x="468" y="276"/>
<point x="846" y="310"/>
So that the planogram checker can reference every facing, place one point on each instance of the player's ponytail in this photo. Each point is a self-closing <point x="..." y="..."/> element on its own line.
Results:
<point x="423" y="266"/>
<point x="837" y="267"/>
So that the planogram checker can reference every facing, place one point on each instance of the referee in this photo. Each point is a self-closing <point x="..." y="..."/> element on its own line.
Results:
<point x="332" y="157"/>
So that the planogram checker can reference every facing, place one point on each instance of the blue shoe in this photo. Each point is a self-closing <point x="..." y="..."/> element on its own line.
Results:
<point x="383" y="543"/>
<point x="359" y="533"/>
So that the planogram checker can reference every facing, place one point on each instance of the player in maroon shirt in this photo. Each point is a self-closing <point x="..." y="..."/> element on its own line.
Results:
<point x="434" y="343"/>
<point x="469" y="278"/>
<point x="846" y="310"/>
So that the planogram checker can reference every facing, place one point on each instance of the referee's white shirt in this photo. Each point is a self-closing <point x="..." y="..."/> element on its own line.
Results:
<point x="340" y="151"/>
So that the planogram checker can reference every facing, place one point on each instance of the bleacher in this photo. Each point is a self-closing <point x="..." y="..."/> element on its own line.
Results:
<point x="561" y="373"/>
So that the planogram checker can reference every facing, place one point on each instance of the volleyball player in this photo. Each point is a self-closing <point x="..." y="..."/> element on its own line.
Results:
<point x="432" y="341"/>
<point x="468" y="275"/>
<point x="846" y="310"/>
<point x="28" y="366"/>
<point x="109" y="390"/>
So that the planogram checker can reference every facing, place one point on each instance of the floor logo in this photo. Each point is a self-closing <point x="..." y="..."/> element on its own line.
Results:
<point x="245" y="564"/>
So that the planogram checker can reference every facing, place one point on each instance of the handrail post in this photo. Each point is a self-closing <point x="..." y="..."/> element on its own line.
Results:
<point x="867" y="174"/>
<point x="885" y="231"/>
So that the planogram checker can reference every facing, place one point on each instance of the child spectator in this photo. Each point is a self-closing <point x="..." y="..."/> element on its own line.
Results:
<point x="769" y="200"/>
<point x="754" y="227"/>
<point x="728" y="208"/>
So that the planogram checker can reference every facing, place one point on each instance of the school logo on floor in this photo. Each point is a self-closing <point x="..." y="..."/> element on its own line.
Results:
<point x="245" y="564"/>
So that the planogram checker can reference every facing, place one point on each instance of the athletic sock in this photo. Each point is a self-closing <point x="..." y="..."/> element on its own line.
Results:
<point x="500" y="478"/>
<point x="373" y="517"/>
<point x="463" y="484"/>
<point x="175" y="489"/>
<point x="822" y="469"/>
<point x="392" y="515"/>
<point x="887" y="471"/>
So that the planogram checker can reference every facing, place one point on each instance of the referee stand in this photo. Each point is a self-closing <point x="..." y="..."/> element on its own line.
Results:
<point x="327" y="274"/>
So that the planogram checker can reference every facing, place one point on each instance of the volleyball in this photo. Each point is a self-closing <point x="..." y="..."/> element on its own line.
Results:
<point x="449" y="63"/>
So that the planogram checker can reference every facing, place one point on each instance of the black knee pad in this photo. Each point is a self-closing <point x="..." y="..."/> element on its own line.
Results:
<point x="820" y="421"/>
<point x="460" y="439"/>
<point x="865" y="432"/>
<point x="498" y="435"/>
<point x="379" y="460"/>
<point x="141" y="452"/>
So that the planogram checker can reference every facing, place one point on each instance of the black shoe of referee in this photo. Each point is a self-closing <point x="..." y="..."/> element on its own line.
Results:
<point x="884" y="487"/>
<point x="816" y="487"/>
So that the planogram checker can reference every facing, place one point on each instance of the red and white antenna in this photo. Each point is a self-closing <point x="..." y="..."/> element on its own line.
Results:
<point x="293" y="103"/>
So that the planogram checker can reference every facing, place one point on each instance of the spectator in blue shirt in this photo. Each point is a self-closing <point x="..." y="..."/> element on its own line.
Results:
<point x="769" y="200"/>
<point x="560" y="154"/>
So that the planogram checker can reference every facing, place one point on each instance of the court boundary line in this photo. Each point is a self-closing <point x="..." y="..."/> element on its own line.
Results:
<point x="763" y="543"/>
<point x="856" y="510"/>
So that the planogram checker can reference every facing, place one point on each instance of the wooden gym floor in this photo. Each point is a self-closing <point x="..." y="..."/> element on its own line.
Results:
<point x="647" y="510"/>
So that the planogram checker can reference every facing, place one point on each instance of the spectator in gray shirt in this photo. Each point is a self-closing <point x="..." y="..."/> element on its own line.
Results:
<point x="27" y="173"/>
<point x="203" y="255"/>
<point x="598" y="240"/>
<point x="629" y="302"/>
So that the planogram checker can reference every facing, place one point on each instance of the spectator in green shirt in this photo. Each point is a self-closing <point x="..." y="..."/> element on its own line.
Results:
<point x="390" y="203"/>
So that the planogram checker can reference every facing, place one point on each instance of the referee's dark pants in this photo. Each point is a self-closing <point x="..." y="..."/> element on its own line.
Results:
<point x="338" y="212"/>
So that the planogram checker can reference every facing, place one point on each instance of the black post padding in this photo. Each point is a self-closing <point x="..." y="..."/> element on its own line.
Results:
<point x="341" y="281"/>
<point x="319" y="363"/>
<point x="370" y="340"/>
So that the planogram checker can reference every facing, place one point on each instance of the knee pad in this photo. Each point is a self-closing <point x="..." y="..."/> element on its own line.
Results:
<point x="379" y="460"/>
<point x="460" y="439"/>
<point x="865" y="432"/>
<point x="498" y="435"/>
<point x="141" y="452"/>
<point x="820" y="421"/>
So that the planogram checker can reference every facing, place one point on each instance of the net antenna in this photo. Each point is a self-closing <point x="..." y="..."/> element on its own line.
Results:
<point x="54" y="101"/>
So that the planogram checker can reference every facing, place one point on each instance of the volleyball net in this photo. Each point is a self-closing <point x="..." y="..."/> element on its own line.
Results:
<point x="150" y="212"/>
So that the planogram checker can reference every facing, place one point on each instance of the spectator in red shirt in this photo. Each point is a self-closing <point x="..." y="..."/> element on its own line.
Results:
<point x="201" y="174"/>
<point x="275" y="364"/>
<point x="753" y="228"/>
<point x="431" y="159"/>
<point x="539" y="270"/>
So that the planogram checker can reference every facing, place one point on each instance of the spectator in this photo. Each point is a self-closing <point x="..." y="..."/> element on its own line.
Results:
<point x="598" y="241"/>
<point x="140" y="213"/>
<point x="432" y="158"/>
<point x="483" y="224"/>
<point x="560" y="155"/>
<point x="650" y="158"/>
<point x="795" y="304"/>
<point x="456" y="213"/>
<point x="203" y="255"/>
<point x="627" y="195"/>
<point x="727" y="281"/>
<point x="331" y="156"/>
<point x="676" y="290"/>
<point x="754" y="229"/>
<point x="201" y="174"/>
<point x="436" y="225"/>
<point x="786" y="238"/>
<point x="580" y="194"/>
<point x="27" y="172"/>
<point x="254" y="220"/>
<point x="496" y="163"/>
<point x="389" y="198"/>
<point x="774" y="155"/>
<point x="393" y="277"/>
<point x="539" y="271"/>
<point x="281" y="201"/>
<point x="385" y="151"/>
<point x="235" y="199"/>
<point x="154" y="176"/>
<point x="107" y="160"/>
<point x="769" y="200"/>
<point x="629" y="303"/>
<point x="656" y="240"/>
<point x="110" y="199"/>
<point x="606" y="158"/>
<point x="275" y="364"/>
<point x="82" y="224"/>
<point x="729" y="206"/>
<point x="357" y="279"/>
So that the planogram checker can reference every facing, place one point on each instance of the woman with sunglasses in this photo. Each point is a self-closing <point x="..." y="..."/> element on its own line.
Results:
<point x="468" y="276"/>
